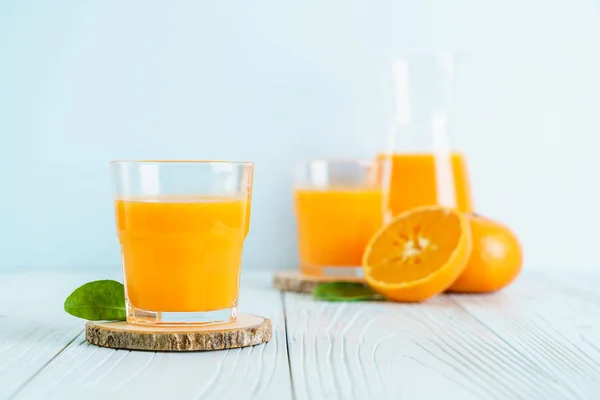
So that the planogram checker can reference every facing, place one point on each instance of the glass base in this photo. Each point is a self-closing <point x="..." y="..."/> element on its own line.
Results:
<point x="143" y="317"/>
<point x="333" y="271"/>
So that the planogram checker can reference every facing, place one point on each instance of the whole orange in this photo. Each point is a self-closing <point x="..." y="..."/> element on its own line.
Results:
<point x="495" y="261"/>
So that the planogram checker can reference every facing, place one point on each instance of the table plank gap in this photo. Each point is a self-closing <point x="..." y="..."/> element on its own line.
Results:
<point x="287" y="342"/>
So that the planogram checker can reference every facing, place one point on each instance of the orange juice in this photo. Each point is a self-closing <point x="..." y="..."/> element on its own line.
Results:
<point x="416" y="178"/>
<point x="182" y="254"/>
<point x="335" y="225"/>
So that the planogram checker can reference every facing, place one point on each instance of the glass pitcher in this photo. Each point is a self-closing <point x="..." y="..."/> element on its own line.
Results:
<point x="423" y="167"/>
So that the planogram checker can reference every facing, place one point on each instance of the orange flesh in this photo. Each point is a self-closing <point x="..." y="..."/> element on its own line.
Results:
<point x="182" y="254"/>
<point x="415" y="247"/>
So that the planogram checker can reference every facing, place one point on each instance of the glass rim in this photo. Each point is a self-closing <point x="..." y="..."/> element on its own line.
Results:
<point x="200" y="162"/>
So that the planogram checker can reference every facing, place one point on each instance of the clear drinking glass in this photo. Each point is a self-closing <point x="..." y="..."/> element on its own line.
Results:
<point x="424" y="168"/>
<point x="182" y="226"/>
<point x="339" y="207"/>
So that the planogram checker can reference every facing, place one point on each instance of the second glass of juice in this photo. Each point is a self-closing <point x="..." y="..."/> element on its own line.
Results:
<point x="339" y="207"/>
<point x="182" y="226"/>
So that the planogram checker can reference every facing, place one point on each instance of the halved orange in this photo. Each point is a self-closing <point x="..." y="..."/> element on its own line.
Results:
<point x="418" y="254"/>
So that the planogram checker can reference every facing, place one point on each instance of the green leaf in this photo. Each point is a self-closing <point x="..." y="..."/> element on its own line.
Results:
<point x="98" y="301"/>
<point x="345" y="291"/>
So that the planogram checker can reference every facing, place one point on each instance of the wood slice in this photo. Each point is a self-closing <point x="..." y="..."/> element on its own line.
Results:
<point x="247" y="330"/>
<point x="294" y="281"/>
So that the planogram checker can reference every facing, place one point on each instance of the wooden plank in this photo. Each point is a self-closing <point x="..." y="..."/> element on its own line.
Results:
<point x="376" y="350"/>
<point x="90" y="372"/>
<point x="527" y="342"/>
<point x="33" y="326"/>
<point x="553" y="330"/>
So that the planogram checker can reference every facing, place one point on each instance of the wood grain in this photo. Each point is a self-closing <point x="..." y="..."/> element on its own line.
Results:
<point x="247" y="330"/>
<point x="90" y="372"/>
<point x="528" y="342"/>
<point x="552" y="329"/>
<point x="33" y="326"/>
<point x="538" y="339"/>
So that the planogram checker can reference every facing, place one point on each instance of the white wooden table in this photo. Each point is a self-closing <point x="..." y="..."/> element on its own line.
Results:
<point x="538" y="339"/>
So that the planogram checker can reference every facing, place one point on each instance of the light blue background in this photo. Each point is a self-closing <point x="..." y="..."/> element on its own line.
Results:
<point x="83" y="82"/>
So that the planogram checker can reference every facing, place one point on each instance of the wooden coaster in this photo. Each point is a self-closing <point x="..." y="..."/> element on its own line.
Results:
<point x="247" y="330"/>
<point x="294" y="281"/>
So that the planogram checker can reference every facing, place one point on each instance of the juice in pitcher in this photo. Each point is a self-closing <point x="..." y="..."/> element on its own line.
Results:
<point x="419" y="179"/>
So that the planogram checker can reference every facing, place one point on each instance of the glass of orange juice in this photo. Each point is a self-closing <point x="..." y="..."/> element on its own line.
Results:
<point x="182" y="226"/>
<point x="339" y="206"/>
<point x="424" y="168"/>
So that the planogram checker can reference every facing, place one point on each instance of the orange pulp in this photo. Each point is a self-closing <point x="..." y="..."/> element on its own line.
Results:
<point x="418" y="254"/>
